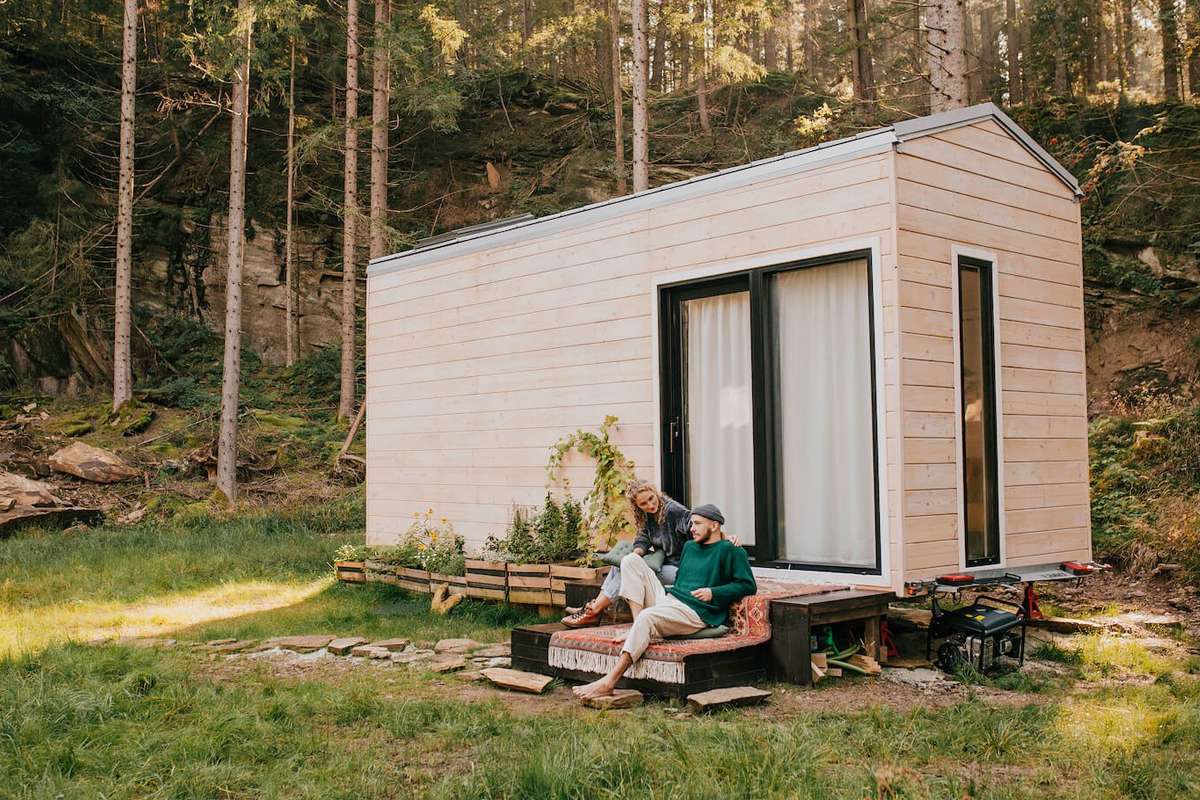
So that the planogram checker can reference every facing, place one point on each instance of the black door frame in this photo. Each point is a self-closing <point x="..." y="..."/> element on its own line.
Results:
<point x="765" y="550"/>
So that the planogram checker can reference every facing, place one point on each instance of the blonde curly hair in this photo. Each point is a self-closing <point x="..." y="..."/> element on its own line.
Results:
<point x="636" y="487"/>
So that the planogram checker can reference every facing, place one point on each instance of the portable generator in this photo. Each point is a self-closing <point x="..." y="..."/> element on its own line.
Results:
<point x="978" y="634"/>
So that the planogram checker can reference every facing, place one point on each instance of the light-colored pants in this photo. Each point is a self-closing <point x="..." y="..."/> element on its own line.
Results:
<point x="611" y="588"/>
<point x="662" y="614"/>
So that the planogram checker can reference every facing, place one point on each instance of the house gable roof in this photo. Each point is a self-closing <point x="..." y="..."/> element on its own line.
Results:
<point x="505" y="232"/>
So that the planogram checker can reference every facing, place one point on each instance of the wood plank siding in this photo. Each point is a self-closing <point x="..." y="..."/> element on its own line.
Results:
<point x="976" y="187"/>
<point x="478" y="363"/>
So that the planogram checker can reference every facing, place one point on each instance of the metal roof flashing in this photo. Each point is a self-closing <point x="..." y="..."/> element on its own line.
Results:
<point x="505" y="232"/>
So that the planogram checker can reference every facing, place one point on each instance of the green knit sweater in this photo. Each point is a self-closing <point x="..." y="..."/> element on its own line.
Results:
<point x="720" y="566"/>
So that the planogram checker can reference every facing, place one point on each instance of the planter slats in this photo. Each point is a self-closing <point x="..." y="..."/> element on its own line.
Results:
<point x="529" y="583"/>
<point x="457" y="583"/>
<point x="414" y="580"/>
<point x="487" y="580"/>
<point x="561" y="573"/>
<point x="350" y="571"/>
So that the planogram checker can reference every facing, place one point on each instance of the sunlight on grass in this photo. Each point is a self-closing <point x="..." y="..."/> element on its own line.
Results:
<point x="24" y="630"/>
<point x="1103" y="656"/>
<point x="1109" y="726"/>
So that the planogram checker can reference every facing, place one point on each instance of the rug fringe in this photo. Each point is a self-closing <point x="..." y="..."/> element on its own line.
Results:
<point x="600" y="663"/>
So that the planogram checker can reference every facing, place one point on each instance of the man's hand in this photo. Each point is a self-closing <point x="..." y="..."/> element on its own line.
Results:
<point x="704" y="595"/>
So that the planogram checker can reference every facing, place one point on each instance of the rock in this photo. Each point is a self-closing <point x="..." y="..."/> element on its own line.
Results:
<point x="493" y="651"/>
<point x="345" y="644"/>
<point x="302" y="644"/>
<point x="393" y="645"/>
<point x="499" y="661"/>
<point x="232" y="647"/>
<point x="518" y="679"/>
<point x="447" y="663"/>
<point x="412" y="657"/>
<point x="370" y="651"/>
<point x="26" y="492"/>
<point x="469" y="675"/>
<point x="91" y="464"/>
<point x="920" y="677"/>
<point x="620" y="698"/>
<point x="217" y="642"/>
<point x="722" y="698"/>
<point x="136" y="515"/>
<point x="456" y="646"/>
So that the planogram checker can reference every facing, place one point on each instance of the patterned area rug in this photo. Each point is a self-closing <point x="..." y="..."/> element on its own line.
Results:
<point x="596" y="650"/>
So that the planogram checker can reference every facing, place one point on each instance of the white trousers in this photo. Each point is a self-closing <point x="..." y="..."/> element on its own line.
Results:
<point x="662" y="614"/>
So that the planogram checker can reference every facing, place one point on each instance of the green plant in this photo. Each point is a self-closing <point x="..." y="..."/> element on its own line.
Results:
<point x="351" y="552"/>
<point x="431" y="545"/>
<point x="555" y="532"/>
<point x="607" y="512"/>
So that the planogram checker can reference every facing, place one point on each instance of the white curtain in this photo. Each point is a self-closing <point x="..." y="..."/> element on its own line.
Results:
<point x="720" y="413"/>
<point x="826" y="447"/>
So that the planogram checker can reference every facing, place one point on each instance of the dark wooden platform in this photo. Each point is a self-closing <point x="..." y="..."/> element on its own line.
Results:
<point x="704" y="671"/>
<point x="793" y="619"/>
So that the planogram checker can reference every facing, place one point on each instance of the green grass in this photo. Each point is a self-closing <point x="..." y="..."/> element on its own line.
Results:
<point x="120" y="721"/>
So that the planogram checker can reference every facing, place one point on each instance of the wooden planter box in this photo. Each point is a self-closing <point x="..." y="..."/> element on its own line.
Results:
<point x="377" y="571"/>
<point x="487" y="580"/>
<point x="561" y="573"/>
<point x="529" y="584"/>
<point x="351" y="571"/>
<point x="414" y="580"/>
<point x="457" y="583"/>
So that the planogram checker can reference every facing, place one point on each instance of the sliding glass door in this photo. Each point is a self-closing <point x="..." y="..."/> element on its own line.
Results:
<point x="769" y="409"/>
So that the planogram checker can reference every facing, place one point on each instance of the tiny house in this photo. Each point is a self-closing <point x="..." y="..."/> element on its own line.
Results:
<point x="868" y="353"/>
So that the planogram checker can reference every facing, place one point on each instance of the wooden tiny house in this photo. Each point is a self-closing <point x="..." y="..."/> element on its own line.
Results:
<point x="869" y="354"/>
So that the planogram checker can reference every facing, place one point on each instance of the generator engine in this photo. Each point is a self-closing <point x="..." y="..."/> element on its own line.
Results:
<point x="978" y="634"/>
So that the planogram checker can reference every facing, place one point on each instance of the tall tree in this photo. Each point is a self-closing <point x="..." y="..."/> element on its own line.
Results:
<point x="380" y="96"/>
<point x="1193" y="41"/>
<point x="122" y="370"/>
<point x="861" y="68"/>
<point x="1012" y="35"/>
<point x="701" y="59"/>
<point x="350" y="217"/>
<point x="1126" y="43"/>
<point x="641" y="123"/>
<point x="234" y="250"/>
<point x="290" y="278"/>
<point x="658" y="63"/>
<point x="614" y="24"/>
<point x="944" y="21"/>
<point x="1168" y="24"/>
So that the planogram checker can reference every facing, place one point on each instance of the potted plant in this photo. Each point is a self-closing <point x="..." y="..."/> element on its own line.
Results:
<point x="540" y="546"/>
<point x="443" y="557"/>
<point x="349" y="564"/>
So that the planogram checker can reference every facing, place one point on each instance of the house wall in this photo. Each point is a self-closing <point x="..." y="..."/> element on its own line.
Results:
<point x="478" y="363"/>
<point x="976" y="187"/>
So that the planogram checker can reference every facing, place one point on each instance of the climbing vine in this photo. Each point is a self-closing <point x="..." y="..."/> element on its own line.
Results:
<point x="607" y="513"/>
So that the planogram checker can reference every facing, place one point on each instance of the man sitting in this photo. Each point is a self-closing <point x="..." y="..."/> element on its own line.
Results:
<point x="713" y="574"/>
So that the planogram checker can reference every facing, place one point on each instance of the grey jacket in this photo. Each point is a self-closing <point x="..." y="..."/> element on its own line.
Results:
<point x="669" y="536"/>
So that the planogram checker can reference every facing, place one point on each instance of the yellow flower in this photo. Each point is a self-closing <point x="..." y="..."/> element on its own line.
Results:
<point x="420" y="545"/>
<point x="444" y="520"/>
<point x="433" y="534"/>
<point x="429" y="511"/>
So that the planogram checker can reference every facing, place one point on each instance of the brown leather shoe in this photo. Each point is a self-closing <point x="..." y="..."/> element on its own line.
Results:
<point x="586" y="616"/>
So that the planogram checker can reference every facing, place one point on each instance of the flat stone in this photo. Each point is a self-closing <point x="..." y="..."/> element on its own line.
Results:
<point x="345" y="644"/>
<point x="302" y="644"/>
<point x="447" y="663"/>
<point x="218" y="642"/>
<point x="233" y="647"/>
<point x="493" y="651"/>
<point x="620" y="698"/>
<point x="518" y="679"/>
<point x="469" y="675"/>
<point x="370" y="651"/>
<point x="91" y="464"/>
<point x="410" y="657"/>
<point x="459" y="646"/>
<point x="393" y="645"/>
<point x="722" y="698"/>
<point x="499" y="661"/>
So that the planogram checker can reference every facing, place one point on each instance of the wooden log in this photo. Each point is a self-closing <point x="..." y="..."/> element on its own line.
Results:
<point x="620" y="698"/>
<point x="722" y="698"/>
<point x="863" y="661"/>
<point x="818" y="672"/>
<point x="517" y="679"/>
<point x="917" y="618"/>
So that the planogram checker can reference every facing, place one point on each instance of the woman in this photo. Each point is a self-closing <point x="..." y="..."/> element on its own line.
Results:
<point x="663" y="525"/>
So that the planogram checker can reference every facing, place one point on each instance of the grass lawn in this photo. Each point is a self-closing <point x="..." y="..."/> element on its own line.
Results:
<point x="115" y="720"/>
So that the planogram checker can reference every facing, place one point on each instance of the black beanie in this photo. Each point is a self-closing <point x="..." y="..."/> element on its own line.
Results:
<point x="709" y="511"/>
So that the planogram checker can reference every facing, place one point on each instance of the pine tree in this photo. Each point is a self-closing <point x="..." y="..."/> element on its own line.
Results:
<point x="641" y="132"/>
<point x="350" y="218"/>
<point x="122" y="369"/>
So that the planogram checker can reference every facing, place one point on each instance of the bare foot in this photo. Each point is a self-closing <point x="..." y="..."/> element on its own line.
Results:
<point x="600" y="688"/>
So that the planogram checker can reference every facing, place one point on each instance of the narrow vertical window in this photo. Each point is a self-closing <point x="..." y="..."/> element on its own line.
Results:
<point x="981" y="507"/>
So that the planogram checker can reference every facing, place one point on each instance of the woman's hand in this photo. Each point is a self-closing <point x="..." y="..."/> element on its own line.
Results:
<point x="639" y="551"/>
<point x="735" y="541"/>
<point x="703" y="595"/>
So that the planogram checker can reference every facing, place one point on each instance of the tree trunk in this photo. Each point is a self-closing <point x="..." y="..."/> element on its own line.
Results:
<point x="789" y="35"/>
<point x="641" y="133"/>
<point x="1012" y="32"/>
<point x="810" y="42"/>
<point x="235" y="243"/>
<point x="289" y="248"/>
<point x="988" y="58"/>
<point x="659" y="61"/>
<point x="614" y="22"/>
<point x="122" y="370"/>
<point x="350" y="215"/>
<point x="860" y="54"/>
<point x="1193" y="38"/>
<point x="1169" y="28"/>
<point x="1062" y="80"/>
<point x="771" y="45"/>
<point x="947" y="55"/>
<point x="380" y="96"/>
<point x="1126" y="44"/>
<point x="701" y="60"/>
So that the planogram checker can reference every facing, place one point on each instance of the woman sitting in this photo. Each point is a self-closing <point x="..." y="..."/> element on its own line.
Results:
<point x="663" y="525"/>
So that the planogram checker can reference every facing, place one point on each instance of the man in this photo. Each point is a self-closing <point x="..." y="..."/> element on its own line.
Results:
<point x="713" y="574"/>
